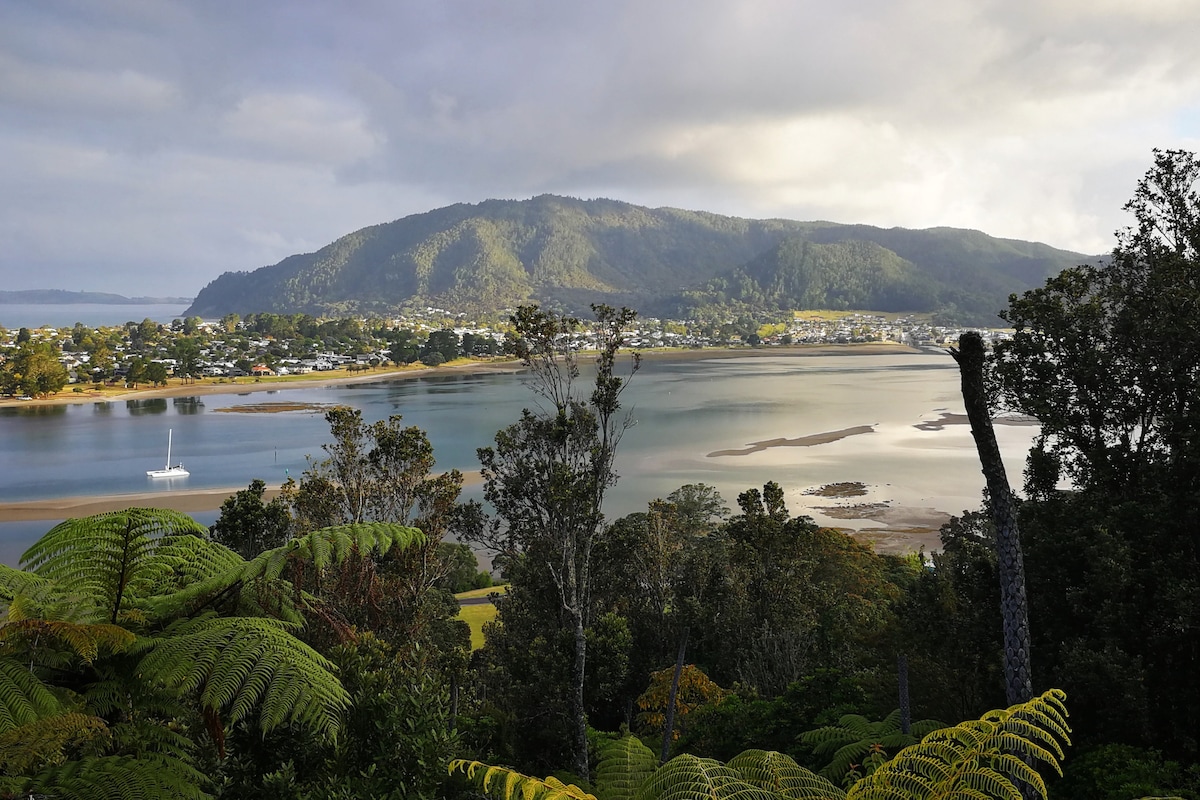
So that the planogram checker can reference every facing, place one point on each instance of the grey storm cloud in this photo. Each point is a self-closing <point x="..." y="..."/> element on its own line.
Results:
<point x="152" y="145"/>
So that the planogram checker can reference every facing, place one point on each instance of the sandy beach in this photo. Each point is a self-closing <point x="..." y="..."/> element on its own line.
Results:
<point x="899" y="529"/>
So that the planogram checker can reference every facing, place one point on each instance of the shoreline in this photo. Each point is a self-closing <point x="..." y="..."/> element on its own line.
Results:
<point x="464" y="368"/>
<point x="188" y="501"/>
<point x="896" y="529"/>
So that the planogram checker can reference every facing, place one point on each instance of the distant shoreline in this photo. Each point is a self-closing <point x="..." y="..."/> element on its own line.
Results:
<point x="187" y="501"/>
<point x="63" y="297"/>
<point x="340" y="378"/>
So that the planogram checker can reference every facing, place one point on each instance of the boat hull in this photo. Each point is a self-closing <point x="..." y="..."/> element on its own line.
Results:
<point x="170" y="472"/>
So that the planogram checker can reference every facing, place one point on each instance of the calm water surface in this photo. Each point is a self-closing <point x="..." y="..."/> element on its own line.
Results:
<point x="682" y="412"/>
<point x="93" y="315"/>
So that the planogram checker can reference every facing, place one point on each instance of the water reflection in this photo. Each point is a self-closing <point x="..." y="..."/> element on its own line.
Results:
<point x="34" y="411"/>
<point x="153" y="405"/>
<point x="187" y="405"/>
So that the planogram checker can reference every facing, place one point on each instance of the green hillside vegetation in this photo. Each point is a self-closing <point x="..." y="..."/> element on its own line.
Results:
<point x="801" y="274"/>
<point x="566" y="253"/>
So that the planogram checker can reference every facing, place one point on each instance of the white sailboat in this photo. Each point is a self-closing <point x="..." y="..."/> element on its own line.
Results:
<point x="168" y="471"/>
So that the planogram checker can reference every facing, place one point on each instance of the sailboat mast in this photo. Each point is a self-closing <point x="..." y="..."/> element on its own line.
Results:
<point x="168" y="448"/>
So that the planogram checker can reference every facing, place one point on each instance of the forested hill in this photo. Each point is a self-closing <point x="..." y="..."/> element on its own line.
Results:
<point x="566" y="253"/>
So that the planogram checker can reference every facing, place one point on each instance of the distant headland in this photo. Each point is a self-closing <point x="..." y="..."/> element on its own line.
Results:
<point x="61" y="297"/>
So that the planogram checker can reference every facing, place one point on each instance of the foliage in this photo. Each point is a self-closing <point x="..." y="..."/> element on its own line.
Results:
<point x="694" y="690"/>
<point x="504" y="784"/>
<point x="34" y="369"/>
<point x="622" y="767"/>
<point x="858" y="745"/>
<point x="248" y="526"/>
<point x="948" y="622"/>
<point x="989" y="758"/>
<point x="547" y="476"/>
<point x="382" y="471"/>
<point x="1121" y="772"/>
<point x="777" y="723"/>
<point x="1107" y="359"/>
<point x="395" y="742"/>
<point x="790" y="598"/>
<point x="129" y="633"/>
<point x="567" y="253"/>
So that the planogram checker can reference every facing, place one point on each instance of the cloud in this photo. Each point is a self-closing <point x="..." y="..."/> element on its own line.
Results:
<point x="169" y="141"/>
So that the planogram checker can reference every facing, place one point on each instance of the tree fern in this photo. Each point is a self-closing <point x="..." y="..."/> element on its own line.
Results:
<point x="39" y="744"/>
<point x="623" y="766"/>
<point x="123" y="609"/>
<point x="780" y="774"/>
<point x="984" y="758"/>
<point x="502" y="783"/>
<point x="121" y="778"/>
<point x="851" y="742"/>
<point x="687" y="777"/>
<point x="235" y="665"/>
<point x="331" y="545"/>
<point x="85" y="641"/>
<point x="108" y="558"/>
<point x="23" y="697"/>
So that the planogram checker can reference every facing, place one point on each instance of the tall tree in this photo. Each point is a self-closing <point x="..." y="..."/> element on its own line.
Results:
<point x="1107" y="357"/>
<point x="1014" y="606"/>
<point x="548" y="474"/>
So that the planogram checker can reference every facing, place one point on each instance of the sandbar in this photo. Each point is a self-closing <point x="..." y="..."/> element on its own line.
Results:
<point x="801" y="441"/>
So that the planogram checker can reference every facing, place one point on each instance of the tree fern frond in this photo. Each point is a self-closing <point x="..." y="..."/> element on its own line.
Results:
<point x="238" y="664"/>
<point x="35" y="745"/>
<point x="109" y="559"/>
<point x="855" y="737"/>
<point x="502" y="783"/>
<point x="780" y="774"/>
<point x="687" y="777"/>
<point x="85" y="640"/>
<point x="622" y="768"/>
<point x="23" y="698"/>
<point x="17" y="583"/>
<point x="331" y="545"/>
<point x="985" y="759"/>
<point x="194" y="559"/>
<point x="149" y="738"/>
<point x="896" y="785"/>
<point x="122" y="778"/>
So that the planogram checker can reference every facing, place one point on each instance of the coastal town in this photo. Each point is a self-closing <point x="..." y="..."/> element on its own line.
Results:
<point x="41" y="361"/>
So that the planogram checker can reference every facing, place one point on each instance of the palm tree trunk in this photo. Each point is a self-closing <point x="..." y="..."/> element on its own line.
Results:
<point x="1013" y="605"/>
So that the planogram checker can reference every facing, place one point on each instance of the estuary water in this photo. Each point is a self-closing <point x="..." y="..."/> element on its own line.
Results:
<point x="92" y="315"/>
<point x="720" y="421"/>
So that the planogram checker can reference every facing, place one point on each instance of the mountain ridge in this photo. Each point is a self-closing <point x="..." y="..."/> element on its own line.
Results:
<point x="566" y="253"/>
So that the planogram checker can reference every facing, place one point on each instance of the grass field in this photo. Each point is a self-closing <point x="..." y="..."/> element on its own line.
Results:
<point x="477" y="614"/>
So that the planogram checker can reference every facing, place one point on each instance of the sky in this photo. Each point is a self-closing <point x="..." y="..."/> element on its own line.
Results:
<point x="147" y="146"/>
